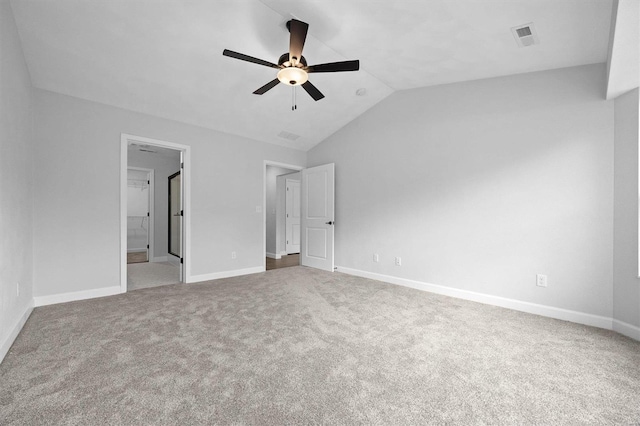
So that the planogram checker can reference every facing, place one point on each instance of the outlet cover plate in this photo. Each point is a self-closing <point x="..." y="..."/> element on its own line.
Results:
<point x="541" y="280"/>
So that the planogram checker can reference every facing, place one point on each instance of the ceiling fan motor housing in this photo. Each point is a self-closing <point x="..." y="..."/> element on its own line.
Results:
<point x="285" y="58"/>
<point x="292" y="75"/>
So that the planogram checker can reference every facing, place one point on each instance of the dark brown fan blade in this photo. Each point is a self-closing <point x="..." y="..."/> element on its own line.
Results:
<point x="270" y="85"/>
<point x="298" y="34"/>
<point x="335" y="66"/>
<point x="242" y="57"/>
<point x="312" y="90"/>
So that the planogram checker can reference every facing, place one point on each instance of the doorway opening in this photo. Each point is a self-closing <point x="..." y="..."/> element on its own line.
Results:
<point x="148" y="231"/>
<point x="317" y="214"/>
<point x="282" y="215"/>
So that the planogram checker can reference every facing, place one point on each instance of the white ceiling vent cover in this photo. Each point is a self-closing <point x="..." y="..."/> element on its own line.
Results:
<point x="287" y="135"/>
<point x="525" y="35"/>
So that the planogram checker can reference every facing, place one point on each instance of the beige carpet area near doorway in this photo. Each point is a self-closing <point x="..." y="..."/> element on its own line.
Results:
<point x="301" y="346"/>
<point x="137" y="257"/>
<point x="151" y="274"/>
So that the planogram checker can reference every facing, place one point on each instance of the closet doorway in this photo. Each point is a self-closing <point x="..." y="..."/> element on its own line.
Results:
<point x="154" y="242"/>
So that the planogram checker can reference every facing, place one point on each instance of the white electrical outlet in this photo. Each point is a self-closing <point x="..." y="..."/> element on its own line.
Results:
<point x="376" y="258"/>
<point x="541" y="280"/>
<point x="233" y="254"/>
<point x="398" y="261"/>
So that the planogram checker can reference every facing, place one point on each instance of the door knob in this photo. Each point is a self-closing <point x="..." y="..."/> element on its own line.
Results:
<point x="330" y="223"/>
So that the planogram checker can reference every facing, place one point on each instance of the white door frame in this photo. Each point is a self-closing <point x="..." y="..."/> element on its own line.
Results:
<point x="264" y="202"/>
<point x="125" y="141"/>
<point x="150" y="231"/>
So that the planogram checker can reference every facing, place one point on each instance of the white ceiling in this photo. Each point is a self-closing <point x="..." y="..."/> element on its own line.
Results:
<point x="165" y="58"/>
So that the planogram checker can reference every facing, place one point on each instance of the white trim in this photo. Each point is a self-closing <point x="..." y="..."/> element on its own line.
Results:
<point x="125" y="139"/>
<point x="76" y="295"/>
<point x="517" y="305"/>
<point x="264" y="201"/>
<point x="160" y="259"/>
<point x="273" y="256"/>
<point x="123" y="212"/>
<point x="626" y="329"/>
<point x="15" y="330"/>
<point x="225" y="274"/>
<point x="136" y="250"/>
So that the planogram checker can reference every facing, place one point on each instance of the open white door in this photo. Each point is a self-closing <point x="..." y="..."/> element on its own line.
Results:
<point x="317" y="217"/>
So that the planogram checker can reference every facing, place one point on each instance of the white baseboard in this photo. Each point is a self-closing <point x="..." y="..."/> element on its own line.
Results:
<point x="160" y="259"/>
<point x="15" y="330"/>
<point x="224" y="274"/>
<point x="76" y="295"/>
<point x="626" y="329"/>
<point x="517" y="305"/>
<point x="273" y="256"/>
<point x="136" y="250"/>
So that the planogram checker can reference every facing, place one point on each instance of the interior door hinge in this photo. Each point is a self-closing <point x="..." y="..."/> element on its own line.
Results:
<point x="181" y="260"/>
<point x="148" y="182"/>
<point x="181" y="212"/>
<point x="147" y="214"/>
<point x="147" y="246"/>
<point x="182" y="165"/>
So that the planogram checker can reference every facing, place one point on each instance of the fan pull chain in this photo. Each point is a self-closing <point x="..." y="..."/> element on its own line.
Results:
<point x="294" y="101"/>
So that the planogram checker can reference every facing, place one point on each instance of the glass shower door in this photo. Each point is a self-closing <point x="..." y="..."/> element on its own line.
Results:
<point x="175" y="215"/>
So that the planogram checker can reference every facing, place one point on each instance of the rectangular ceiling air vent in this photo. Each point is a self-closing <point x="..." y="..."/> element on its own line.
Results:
<point x="288" y="135"/>
<point x="525" y="35"/>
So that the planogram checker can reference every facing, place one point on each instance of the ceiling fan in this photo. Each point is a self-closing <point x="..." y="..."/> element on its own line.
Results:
<point x="292" y="66"/>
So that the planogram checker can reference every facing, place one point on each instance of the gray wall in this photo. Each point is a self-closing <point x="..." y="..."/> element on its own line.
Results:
<point x="82" y="251"/>
<point x="163" y="168"/>
<point x="626" y="285"/>
<point x="481" y="185"/>
<point x="16" y="183"/>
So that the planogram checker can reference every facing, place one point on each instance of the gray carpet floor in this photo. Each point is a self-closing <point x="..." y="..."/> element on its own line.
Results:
<point x="301" y="346"/>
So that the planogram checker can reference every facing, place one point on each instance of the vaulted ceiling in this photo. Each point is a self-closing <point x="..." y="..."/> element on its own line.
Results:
<point x="164" y="57"/>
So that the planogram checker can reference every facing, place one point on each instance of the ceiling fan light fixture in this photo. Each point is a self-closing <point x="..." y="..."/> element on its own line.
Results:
<point x="292" y="66"/>
<point x="293" y="76"/>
